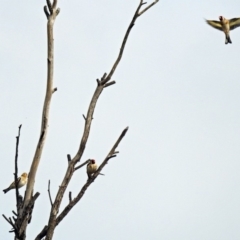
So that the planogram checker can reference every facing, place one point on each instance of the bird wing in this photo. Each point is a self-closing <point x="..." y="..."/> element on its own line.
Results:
<point x="234" y="23"/>
<point x="13" y="183"/>
<point x="215" y="24"/>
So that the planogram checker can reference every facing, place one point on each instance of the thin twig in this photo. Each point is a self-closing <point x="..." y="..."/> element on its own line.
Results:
<point x="14" y="213"/>
<point x="81" y="165"/>
<point x="70" y="196"/>
<point x="109" y="84"/>
<point x="14" y="219"/>
<point x="16" y="167"/>
<point x="149" y="6"/>
<point x="112" y="152"/>
<point x="49" y="193"/>
<point x="113" y="156"/>
<point x="6" y="218"/>
<point x="10" y="222"/>
<point x="49" y="6"/>
<point x="90" y="181"/>
<point x="54" y="5"/>
<point x="46" y="11"/>
<point x="84" y="117"/>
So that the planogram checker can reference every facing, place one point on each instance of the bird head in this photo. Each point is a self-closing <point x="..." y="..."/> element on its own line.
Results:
<point x="221" y="18"/>
<point x="92" y="161"/>
<point x="24" y="175"/>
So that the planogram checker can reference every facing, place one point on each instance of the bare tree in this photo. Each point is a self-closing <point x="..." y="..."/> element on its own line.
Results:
<point x="25" y="206"/>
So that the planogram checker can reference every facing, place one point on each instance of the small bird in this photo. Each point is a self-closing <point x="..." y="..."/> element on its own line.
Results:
<point x="21" y="182"/>
<point x="91" y="167"/>
<point x="225" y="25"/>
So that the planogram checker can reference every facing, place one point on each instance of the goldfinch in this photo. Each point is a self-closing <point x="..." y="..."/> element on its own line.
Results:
<point x="225" y="25"/>
<point x="21" y="182"/>
<point x="91" y="167"/>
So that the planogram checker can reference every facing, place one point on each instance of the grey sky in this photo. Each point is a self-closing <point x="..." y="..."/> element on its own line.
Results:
<point x="177" y="174"/>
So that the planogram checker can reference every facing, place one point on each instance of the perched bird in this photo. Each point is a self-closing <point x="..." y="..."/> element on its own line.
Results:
<point x="91" y="167"/>
<point x="225" y="25"/>
<point x="21" y="182"/>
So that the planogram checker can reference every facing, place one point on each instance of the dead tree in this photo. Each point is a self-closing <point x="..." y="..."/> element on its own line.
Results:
<point x="25" y="206"/>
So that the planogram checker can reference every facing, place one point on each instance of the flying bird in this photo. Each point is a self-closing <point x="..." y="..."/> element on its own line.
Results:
<point x="225" y="25"/>
<point x="21" y="182"/>
<point x="91" y="167"/>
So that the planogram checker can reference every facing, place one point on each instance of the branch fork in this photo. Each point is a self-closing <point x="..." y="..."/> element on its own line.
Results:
<point x="51" y="9"/>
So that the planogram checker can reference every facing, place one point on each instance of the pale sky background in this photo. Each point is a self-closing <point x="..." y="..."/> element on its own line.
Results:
<point x="178" y="89"/>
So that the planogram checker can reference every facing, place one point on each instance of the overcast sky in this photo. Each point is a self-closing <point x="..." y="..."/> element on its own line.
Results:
<point x="178" y="89"/>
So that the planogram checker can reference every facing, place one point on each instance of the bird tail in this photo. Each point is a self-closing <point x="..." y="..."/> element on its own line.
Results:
<point x="6" y="190"/>
<point x="228" y="39"/>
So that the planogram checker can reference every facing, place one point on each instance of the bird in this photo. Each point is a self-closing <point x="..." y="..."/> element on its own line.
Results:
<point x="91" y="167"/>
<point x="225" y="25"/>
<point x="21" y="182"/>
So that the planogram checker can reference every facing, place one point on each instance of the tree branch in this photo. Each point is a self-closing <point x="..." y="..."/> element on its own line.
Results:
<point x="15" y="213"/>
<point x="81" y="165"/>
<point x="135" y="16"/>
<point x="109" y="84"/>
<point x="45" y="114"/>
<point x="49" y="193"/>
<point x="18" y="203"/>
<point x="69" y="158"/>
<point x="45" y="9"/>
<point x="10" y="222"/>
<point x="70" y="196"/>
<point x="91" y="180"/>
<point x="74" y="161"/>
<point x="42" y="233"/>
<point x="49" y="6"/>
<point x="111" y="154"/>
